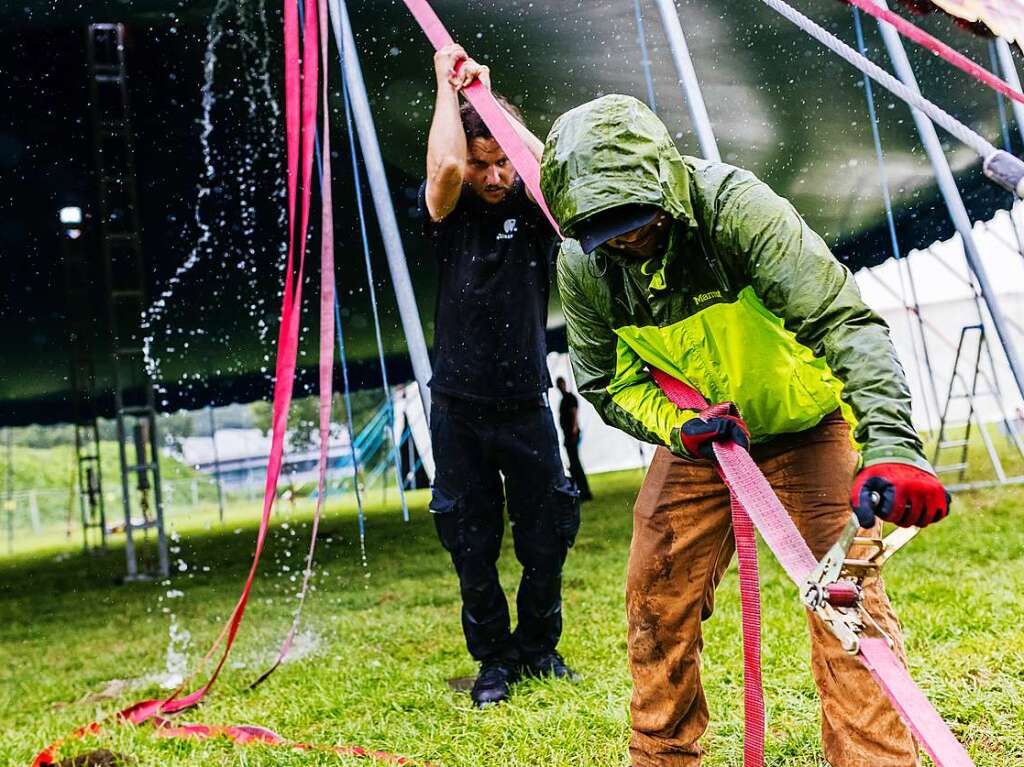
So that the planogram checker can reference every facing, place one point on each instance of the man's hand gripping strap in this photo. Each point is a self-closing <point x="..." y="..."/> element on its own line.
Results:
<point x="752" y="495"/>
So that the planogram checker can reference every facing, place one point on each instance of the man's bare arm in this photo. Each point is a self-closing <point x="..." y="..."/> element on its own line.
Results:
<point x="446" y="144"/>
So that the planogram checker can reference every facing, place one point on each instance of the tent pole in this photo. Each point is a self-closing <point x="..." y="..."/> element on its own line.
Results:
<point x="1010" y="75"/>
<point x="645" y="59"/>
<point x="951" y="195"/>
<point x="374" y="164"/>
<point x="1009" y="70"/>
<point x="688" y="81"/>
<point x="902" y="265"/>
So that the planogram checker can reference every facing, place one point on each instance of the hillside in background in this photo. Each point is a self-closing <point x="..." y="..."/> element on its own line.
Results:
<point x="53" y="468"/>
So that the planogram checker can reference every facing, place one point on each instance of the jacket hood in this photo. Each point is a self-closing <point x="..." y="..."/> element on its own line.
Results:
<point x="608" y="152"/>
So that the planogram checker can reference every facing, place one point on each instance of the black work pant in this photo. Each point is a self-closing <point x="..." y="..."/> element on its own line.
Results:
<point x="475" y="446"/>
<point x="572" y="449"/>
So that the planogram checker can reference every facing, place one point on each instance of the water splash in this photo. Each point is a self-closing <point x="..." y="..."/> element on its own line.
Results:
<point x="176" y="663"/>
<point x="306" y="643"/>
<point x="238" y="55"/>
<point x="365" y="561"/>
<point x="280" y="190"/>
<point x="158" y="309"/>
<point x="256" y="45"/>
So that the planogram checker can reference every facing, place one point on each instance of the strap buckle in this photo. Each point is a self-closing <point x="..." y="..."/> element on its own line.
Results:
<point x="834" y="589"/>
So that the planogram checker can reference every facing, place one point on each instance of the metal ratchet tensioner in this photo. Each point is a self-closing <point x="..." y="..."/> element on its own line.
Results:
<point x="834" y="589"/>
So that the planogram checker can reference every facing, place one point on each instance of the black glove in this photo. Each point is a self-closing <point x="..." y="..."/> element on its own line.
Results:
<point x="699" y="434"/>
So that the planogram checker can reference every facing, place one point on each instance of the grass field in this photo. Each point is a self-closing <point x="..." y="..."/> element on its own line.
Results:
<point x="380" y="642"/>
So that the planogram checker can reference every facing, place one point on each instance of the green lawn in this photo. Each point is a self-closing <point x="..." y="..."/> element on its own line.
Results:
<point x="378" y="644"/>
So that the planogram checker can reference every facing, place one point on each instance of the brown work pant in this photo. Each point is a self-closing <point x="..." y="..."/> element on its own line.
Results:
<point x="682" y="544"/>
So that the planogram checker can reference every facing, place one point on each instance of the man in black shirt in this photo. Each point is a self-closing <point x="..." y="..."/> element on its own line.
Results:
<point x="492" y="432"/>
<point x="568" y="419"/>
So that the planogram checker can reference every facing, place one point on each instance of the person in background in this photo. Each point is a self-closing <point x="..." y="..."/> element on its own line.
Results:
<point x="493" y="434"/>
<point x="568" y="419"/>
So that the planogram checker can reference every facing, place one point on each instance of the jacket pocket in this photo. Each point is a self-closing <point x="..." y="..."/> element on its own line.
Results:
<point x="447" y="519"/>
<point x="566" y="505"/>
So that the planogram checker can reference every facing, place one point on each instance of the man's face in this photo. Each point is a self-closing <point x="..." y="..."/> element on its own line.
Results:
<point x="645" y="242"/>
<point x="488" y="171"/>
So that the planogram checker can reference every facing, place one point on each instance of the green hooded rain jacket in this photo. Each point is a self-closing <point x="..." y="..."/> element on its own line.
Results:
<point x="746" y="304"/>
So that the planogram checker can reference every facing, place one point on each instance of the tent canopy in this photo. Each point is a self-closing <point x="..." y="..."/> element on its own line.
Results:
<point x="781" y="106"/>
<point x="939" y="276"/>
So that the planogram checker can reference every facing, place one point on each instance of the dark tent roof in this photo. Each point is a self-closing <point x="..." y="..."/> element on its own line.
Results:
<point x="781" y="105"/>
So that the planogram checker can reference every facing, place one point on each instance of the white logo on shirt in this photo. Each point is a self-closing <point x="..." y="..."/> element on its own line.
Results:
<point x="510" y="229"/>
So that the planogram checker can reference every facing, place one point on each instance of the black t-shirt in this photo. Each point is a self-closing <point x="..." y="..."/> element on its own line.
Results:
<point x="492" y="299"/>
<point x="566" y="411"/>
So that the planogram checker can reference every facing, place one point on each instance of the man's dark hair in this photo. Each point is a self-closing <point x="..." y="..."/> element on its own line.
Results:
<point x="474" y="126"/>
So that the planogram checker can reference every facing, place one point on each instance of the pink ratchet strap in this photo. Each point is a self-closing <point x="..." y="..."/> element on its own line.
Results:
<point x="939" y="48"/>
<point x="490" y="111"/>
<point x="326" y="364"/>
<point x="288" y="339"/>
<point x="300" y="122"/>
<point x="753" y="495"/>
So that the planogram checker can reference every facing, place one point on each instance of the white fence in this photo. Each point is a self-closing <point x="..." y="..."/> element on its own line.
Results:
<point x="31" y="516"/>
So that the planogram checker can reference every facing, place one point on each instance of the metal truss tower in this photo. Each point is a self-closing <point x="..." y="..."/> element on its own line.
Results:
<point x="80" y="290"/>
<point x="125" y="298"/>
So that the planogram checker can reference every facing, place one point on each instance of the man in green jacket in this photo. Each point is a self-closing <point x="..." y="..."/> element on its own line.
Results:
<point x="699" y="269"/>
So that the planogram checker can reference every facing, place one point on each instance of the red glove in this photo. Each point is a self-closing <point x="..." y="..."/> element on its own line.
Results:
<point x="899" y="493"/>
<point x="698" y="434"/>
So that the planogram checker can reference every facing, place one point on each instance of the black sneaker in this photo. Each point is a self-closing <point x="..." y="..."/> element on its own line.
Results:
<point x="492" y="684"/>
<point x="550" y="664"/>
